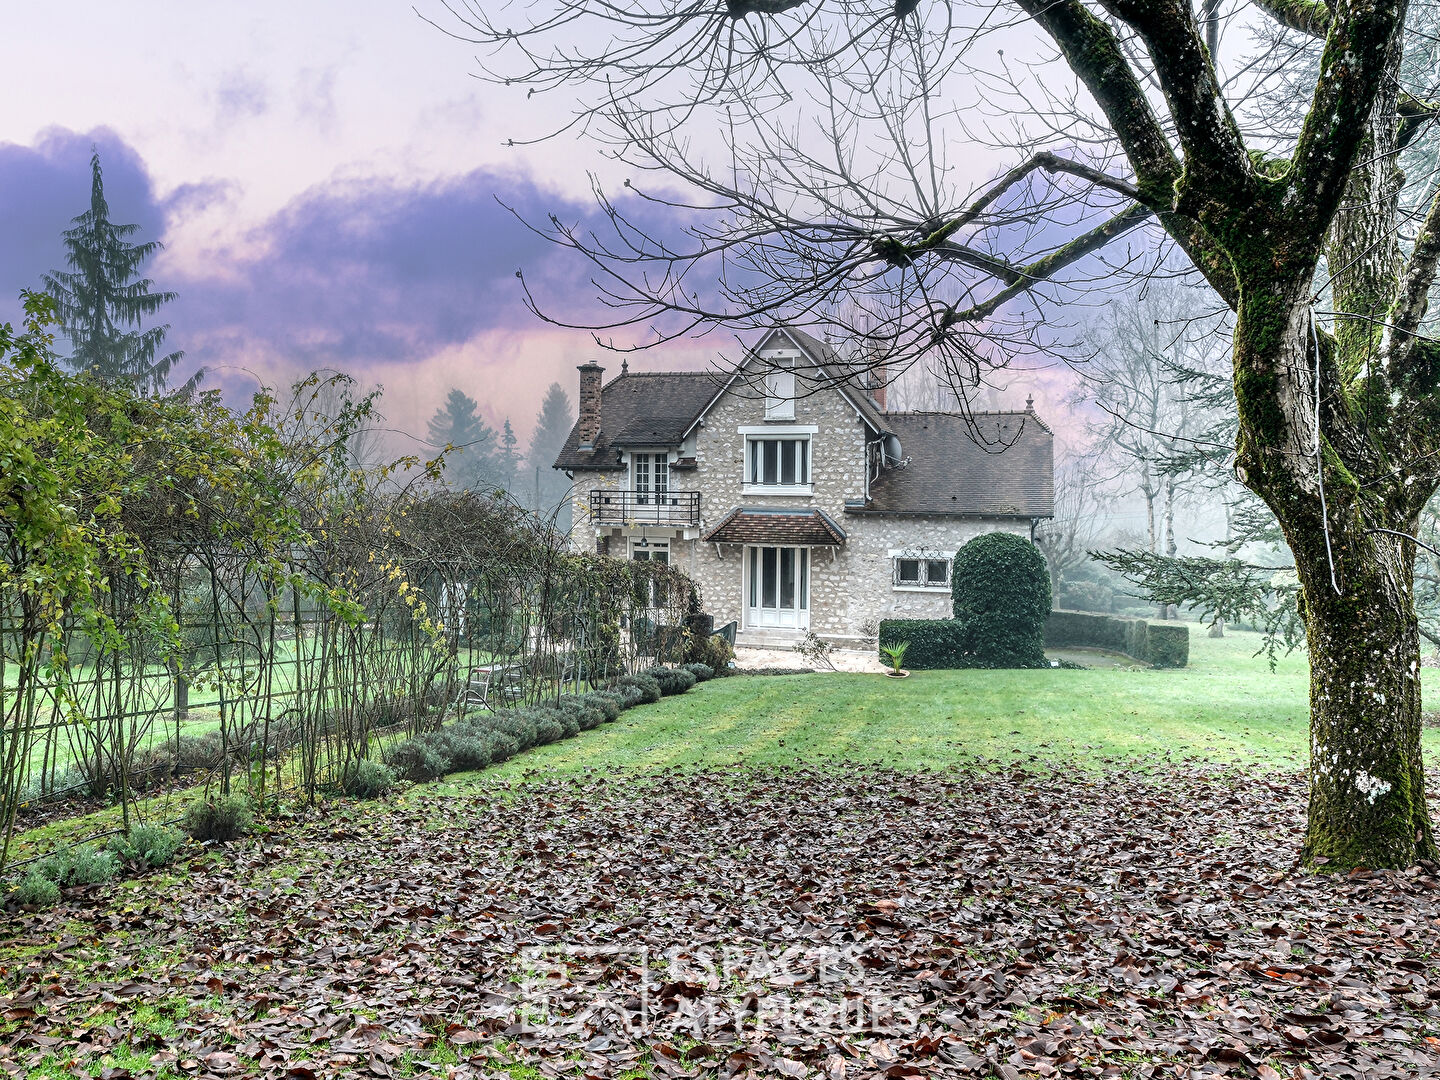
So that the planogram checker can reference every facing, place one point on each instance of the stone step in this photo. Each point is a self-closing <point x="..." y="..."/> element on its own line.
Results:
<point x="768" y="639"/>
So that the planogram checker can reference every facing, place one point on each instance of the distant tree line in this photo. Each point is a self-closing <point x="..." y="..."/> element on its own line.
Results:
<point x="486" y="460"/>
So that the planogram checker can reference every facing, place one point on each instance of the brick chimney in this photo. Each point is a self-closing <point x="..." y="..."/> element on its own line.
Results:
<point x="880" y="384"/>
<point x="589" y="403"/>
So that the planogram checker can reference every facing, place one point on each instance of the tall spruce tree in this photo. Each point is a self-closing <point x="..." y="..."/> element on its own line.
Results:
<point x="102" y="300"/>
<point x="457" y="423"/>
<point x="552" y="428"/>
<point x="509" y="460"/>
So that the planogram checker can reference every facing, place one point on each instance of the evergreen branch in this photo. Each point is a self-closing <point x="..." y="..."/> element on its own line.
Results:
<point x="1227" y="589"/>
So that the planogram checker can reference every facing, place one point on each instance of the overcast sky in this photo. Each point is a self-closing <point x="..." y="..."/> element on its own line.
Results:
<point x="325" y="178"/>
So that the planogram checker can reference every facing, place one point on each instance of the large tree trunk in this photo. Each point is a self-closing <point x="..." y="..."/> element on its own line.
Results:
<point x="1367" y="778"/>
<point x="1367" y="784"/>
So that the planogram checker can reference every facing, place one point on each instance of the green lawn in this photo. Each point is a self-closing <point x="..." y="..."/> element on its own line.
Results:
<point x="1227" y="706"/>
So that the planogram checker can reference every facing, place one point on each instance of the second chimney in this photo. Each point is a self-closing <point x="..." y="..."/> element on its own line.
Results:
<point x="589" y="426"/>
<point x="879" y="384"/>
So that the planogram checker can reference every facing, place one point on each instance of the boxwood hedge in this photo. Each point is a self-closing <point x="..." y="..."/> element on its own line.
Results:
<point x="1000" y="594"/>
<point x="1162" y="644"/>
<point x="934" y="643"/>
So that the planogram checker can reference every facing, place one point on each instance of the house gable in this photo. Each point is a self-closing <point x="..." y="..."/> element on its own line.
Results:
<point x="827" y="374"/>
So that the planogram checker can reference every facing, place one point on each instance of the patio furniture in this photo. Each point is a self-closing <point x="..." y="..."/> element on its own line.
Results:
<point x="485" y="684"/>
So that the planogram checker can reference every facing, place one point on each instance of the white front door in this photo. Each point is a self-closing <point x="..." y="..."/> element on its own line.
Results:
<point x="777" y="587"/>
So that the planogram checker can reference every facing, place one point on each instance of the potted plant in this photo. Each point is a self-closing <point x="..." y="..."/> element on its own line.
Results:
<point x="896" y="655"/>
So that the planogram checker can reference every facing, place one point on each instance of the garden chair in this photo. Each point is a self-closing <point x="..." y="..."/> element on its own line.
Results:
<point x="487" y="682"/>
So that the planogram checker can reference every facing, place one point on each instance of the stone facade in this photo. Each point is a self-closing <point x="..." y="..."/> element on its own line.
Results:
<point x="851" y="586"/>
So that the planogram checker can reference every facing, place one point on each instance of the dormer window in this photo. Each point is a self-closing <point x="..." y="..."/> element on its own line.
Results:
<point x="780" y="393"/>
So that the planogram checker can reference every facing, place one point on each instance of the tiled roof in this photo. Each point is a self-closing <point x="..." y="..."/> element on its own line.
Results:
<point x="779" y="527"/>
<point x="1009" y="472"/>
<point x="641" y="408"/>
<point x="656" y="408"/>
<point x="651" y="431"/>
<point x="835" y="368"/>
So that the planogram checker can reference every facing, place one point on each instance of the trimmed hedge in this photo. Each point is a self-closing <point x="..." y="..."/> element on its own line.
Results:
<point x="1163" y="645"/>
<point x="482" y="738"/>
<point x="649" y="688"/>
<point x="934" y="643"/>
<point x="1000" y="593"/>
<point x="672" y="680"/>
<point x="1169" y="645"/>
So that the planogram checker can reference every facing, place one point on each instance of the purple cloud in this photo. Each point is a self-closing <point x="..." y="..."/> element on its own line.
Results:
<point x="378" y="270"/>
<point x="348" y="274"/>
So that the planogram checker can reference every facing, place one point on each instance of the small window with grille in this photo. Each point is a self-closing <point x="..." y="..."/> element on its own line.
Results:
<point x="918" y="572"/>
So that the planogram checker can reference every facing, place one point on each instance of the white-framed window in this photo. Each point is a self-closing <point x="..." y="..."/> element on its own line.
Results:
<point x="919" y="570"/>
<point x="650" y="475"/>
<point x="777" y="462"/>
<point x="780" y="394"/>
<point x="643" y="550"/>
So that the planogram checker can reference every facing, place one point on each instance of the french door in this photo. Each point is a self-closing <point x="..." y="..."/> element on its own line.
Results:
<point x="652" y="477"/>
<point x="777" y="587"/>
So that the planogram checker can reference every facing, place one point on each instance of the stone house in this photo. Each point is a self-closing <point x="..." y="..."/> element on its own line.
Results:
<point x="790" y="494"/>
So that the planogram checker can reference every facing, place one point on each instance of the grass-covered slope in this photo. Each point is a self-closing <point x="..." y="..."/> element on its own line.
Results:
<point x="1226" y="706"/>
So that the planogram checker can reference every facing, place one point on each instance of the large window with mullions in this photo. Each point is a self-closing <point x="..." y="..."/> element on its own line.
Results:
<point x="778" y="463"/>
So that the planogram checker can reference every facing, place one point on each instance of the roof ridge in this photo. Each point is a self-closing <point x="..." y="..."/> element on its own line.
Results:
<point x="1028" y="413"/>
<point x="961" y="415"/>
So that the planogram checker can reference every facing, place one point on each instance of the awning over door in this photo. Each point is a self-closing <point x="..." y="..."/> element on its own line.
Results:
<point x="777" y="527"/>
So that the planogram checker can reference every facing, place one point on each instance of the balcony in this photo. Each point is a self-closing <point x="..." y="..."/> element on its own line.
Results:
<point x="676" y="508"/>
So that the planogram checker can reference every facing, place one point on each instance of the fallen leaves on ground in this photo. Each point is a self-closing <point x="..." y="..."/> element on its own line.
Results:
<point x="817" y="924"/>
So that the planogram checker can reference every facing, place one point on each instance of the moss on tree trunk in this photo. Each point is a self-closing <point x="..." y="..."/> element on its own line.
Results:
<point x="1367" y="777"/>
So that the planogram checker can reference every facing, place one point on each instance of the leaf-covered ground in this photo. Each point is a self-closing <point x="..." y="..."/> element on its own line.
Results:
<point x="817" y="922"/>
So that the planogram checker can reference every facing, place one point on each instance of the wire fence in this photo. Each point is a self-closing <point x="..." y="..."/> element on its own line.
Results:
<point x="278" y="680"/>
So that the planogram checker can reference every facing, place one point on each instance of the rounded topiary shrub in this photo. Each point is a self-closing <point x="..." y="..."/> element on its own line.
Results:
<point x="1001" y="594"/>
<point x="225" y="817"/>
<point x="367" y="779"/>
<point x="648" y="687"/>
